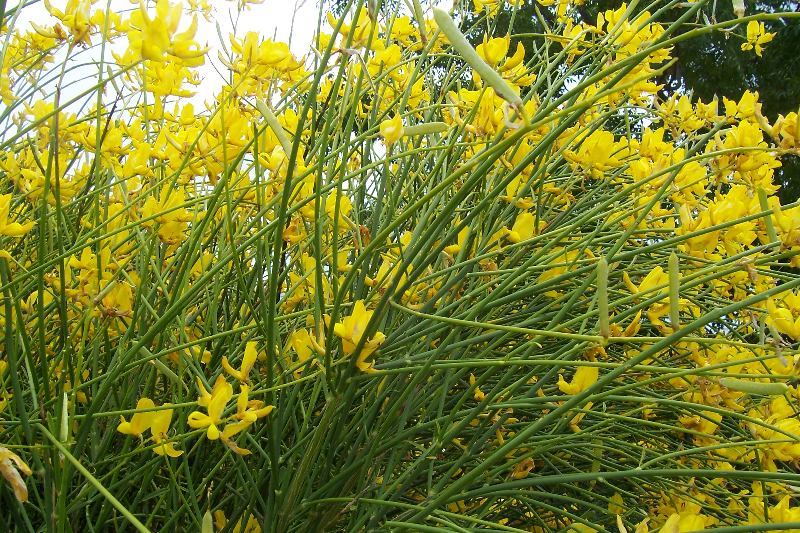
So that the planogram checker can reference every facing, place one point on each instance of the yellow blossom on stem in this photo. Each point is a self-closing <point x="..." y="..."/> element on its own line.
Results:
<point x="648" y="288"/>
<point x="783" y="319"/>
<point x="248" y="361"/>
<point x="157" y="421"/>
<point x="167" y="214"/>
<point x="11" y="228"/>
<point x="351" y="330"/>
<point x="757" y="37"/>
<point x="597" y="154"/>
<point x="391" y="130"/>
<point x="493" y="50"/>
<point x="156" y="38"/>
<point x="247" y="412"/>
<point x="304" y="346"/>
<point x="478" y="394"/>
<point x="158" y="429"/>
<point x="461" y="238"/>
<point x="215" y="403"/>
<point x="250" y="525"/>
<point x="683" y="523"/>
<point x="523" y="229"/>
<point x="139" y="422"/>
<point x="585" y="377"/>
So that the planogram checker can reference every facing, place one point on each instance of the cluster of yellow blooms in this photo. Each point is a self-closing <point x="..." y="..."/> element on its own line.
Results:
<point x="115" y="217"/>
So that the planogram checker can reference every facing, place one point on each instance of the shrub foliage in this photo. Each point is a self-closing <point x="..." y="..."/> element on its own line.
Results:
<point x="396" y="283"/>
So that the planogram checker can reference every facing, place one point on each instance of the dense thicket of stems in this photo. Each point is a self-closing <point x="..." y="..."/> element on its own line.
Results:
<point x="372" y="289"/>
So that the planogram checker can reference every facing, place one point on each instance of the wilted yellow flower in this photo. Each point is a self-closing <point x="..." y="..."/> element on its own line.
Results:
<point x="10" y="466"/>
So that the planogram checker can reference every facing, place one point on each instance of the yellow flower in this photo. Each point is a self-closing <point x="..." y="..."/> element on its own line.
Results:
<point x="779" y="513"/>
<point x="649" y="287"/>
<point x="461" y="239"/>
<point x="248" y="361"/>
<point x="10" y="466"/>
<point x="597" y="154"/>
<point x="757" y="36"/>
<point x="250" y="410"/>
<point x="250" y="525"/>
<point x="12" y="228"/>
<point x="158" y="428"/>
<point x="655" y="278"/>
<point x="304" y="346"/>
<point x="76" y="17"/>
<point x="358" y="32"/>
<point x="491" y="6"/>
<point x="786" y="129"/>
<point x="247" y="412"/>
<point x="706" y="423"/>
<point x="493" y="50"/>
<point x="782" y="319"/>
<point x="616" y="504"/>
<point x="168" y="214"/>
<point x="787" y="433"/>
<point x="562" y="263"/>
<point x="215" y="403"/>
<point x="344" y="205"/>
<point x="684" y="522"/>
<point x="156" y="421"/>
<point x="351" y="330"/>
<point x="391" y="130"/>
<point x="140" y="422"/>
<point x="156" y="38"/>
<point x="585" y="377"/>
<point x="523" y="229"/>
<point x="522" y="469"/>
<point x="478" y="394"/>
<point x="118" y="300"/>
